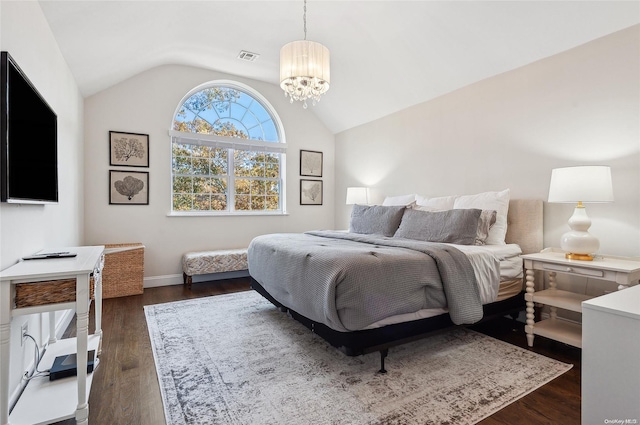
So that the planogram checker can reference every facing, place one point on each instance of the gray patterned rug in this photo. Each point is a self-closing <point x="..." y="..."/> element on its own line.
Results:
<point x="236" y="359"/>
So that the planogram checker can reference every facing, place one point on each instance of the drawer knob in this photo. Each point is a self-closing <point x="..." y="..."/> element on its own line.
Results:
<point x="569" y="269"/>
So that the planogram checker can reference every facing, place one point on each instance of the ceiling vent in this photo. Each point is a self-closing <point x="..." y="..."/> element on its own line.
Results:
<point x="248" y="56"/>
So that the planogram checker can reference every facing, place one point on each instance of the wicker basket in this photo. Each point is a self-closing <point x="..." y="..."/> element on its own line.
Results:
<point x="123" y="271"/>
<point x="47" y="292"/>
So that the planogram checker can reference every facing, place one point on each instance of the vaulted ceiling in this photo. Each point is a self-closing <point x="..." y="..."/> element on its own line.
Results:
<point x="385" y="55"/>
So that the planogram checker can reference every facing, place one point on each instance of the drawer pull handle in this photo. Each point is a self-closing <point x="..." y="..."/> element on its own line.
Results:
<point x="569" y="269"/>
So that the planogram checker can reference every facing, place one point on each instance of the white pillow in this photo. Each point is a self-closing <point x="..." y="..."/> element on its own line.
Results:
<point x="399" y="200"/>
<point x="498" y="201"/>
<point x="440" y="203"/>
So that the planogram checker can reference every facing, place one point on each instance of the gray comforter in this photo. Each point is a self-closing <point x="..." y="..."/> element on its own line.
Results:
<point x="348" y="281"/>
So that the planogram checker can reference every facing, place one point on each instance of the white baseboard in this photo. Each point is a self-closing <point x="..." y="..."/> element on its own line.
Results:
<point x="166" y="280"/>
<point x="177" y="279"/>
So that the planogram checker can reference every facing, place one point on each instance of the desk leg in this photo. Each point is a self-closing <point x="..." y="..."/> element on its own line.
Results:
<point x="530" y="306"/>
<point x="52" y="327"/>
<point x="97" y="292"/>
<point x="5" y="333"/>
<point x="82" y="312"/>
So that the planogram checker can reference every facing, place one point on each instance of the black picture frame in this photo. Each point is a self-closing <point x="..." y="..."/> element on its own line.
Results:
<point x="128" y="149"/>
<point x="310" y="163"/>
<point x="124" y="187"/>
<point x="311" y="192"/>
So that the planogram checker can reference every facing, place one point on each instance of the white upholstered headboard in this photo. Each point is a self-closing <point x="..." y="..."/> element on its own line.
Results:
<point x="524" y="224"/>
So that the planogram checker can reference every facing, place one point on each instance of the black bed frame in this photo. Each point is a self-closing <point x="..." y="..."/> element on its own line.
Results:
<point x="381" y="339"/>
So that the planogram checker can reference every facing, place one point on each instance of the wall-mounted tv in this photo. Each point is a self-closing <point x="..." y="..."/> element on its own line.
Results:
<point x="28" y="138"/>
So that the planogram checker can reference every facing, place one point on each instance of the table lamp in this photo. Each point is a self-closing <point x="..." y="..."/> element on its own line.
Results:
<point x="357" y="195"/>
<point x="591" y="183"/>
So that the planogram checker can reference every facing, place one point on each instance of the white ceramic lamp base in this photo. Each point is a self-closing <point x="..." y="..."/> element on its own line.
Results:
<point x="578" y="243"/>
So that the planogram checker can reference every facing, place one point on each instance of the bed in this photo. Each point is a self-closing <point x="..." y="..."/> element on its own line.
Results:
<point x="366" y="292"/>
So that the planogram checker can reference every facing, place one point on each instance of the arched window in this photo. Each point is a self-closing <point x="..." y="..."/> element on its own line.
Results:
<point x="228" y="152"/>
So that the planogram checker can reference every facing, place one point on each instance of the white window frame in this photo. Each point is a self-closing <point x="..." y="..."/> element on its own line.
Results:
<point x="232" y="144"/>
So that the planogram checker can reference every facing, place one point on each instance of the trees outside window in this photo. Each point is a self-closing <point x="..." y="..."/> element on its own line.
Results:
<point x="227" y="152"/>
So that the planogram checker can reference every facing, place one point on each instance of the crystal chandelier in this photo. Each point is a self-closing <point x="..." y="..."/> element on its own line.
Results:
<point x="304" y="68"/>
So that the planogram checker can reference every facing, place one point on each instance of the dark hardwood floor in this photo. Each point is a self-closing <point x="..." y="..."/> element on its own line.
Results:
<point x="125" y="388"/>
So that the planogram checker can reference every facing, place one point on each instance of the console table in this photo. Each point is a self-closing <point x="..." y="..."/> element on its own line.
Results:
<point x="45" y="401"/>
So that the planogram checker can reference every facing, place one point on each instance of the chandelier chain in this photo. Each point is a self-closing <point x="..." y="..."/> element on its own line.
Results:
<point x="304" y="19"/>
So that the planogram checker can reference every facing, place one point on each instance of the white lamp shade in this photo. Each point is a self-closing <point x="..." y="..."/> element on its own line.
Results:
<point x="306" y="59"/>
<point x="590" y="183"/>
<point x="357" y="195"/>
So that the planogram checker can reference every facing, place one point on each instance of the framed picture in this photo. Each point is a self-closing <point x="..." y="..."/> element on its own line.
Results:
<point x="128" y="149"/>
<point x="310" y="192"/>
<point x="311" y="163"/>
<point x="128" y="187"/>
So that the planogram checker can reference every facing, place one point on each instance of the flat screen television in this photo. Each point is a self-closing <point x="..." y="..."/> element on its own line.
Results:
<point x="28" y="138"/>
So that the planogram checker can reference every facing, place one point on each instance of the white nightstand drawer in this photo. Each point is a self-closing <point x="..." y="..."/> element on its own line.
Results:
<point x="574" y="270"/>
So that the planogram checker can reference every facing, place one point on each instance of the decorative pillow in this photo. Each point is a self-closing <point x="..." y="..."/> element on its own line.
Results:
<point x="450" y="226"/>
<point x="376" y="219"/>
<point x="487" y="219"/>
<point x="399" y="200"/>
<point x="440" y="203"/>
<point x="498" y="201"/>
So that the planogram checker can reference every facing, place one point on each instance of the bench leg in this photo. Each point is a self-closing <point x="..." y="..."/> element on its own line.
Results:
<point x="187" y="280"/>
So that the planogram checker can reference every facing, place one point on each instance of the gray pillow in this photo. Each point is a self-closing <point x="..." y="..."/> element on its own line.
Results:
<point x="450" y="226"/>
<point x="375" y="219"/>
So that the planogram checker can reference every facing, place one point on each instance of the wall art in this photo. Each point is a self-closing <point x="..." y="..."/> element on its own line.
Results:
<point x="310" y="192"/>
<point x="128" y="149"/>
<point x="128" y="187"/>
<point x="311" y="163"/>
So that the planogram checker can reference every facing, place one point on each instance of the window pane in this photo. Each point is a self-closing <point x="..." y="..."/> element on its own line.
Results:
<point x="272" y="188"/>
<point x="201" y="185"/>
<point x="218" y="186"/>
<point x="181" y="165"/>
<point x="201" y="166"/>
<point x="218" y="167"/>
<point x="270" y="132"/>
<point x="202" y="203"/>
<point x="181" y="149"/>
<point x="257" y="187"/>
<point x="243" y="186"/>
<point x="272" y="203"/>
<point x="182" y="202"/>
<point x="272" y="171"/>
<point x="218" y="202"/>
<point x="261" y="114"/>
<point x="257" y="203"/>
<point x="243" y="202"/>
<point x="243" y="163"/>
<point x="182" y="184"/>
<point x="250" y="120"/>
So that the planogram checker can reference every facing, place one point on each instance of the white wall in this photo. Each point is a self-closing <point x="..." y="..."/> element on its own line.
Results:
<point x="25" y="229"/>
<point x="579" y="107"/>
<point x="145" y="104"/>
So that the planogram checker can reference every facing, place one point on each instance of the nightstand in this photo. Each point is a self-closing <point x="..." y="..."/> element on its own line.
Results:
<point x="622" y="270"/>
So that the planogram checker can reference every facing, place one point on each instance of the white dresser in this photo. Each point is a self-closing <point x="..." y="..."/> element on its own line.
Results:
<point x="611" y="358"/>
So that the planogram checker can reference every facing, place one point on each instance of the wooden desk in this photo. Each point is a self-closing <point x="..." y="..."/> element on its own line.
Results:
<point x="44" y="401"/>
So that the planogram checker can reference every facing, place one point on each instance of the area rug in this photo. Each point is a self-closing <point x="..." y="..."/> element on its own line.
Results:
<point x="236" y="359"/>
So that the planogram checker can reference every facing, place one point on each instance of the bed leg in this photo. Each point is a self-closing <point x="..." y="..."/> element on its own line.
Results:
<point x="383" y="355"/>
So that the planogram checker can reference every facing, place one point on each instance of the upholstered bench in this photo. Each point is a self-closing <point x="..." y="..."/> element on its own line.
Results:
<point x="228" y="260"/>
